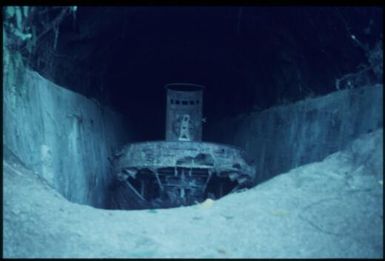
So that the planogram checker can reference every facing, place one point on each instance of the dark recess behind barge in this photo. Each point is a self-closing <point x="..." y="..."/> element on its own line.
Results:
<point x="298" y="89"/>
<point x="249" y="58"/>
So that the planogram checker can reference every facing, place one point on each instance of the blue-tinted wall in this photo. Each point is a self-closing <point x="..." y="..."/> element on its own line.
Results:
<point x="287" y="136"/>
<point x="63" y="136"/>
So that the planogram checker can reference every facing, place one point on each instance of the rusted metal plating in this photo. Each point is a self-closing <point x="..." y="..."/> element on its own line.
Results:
<point x="182" y="170"/>
<point x="184" y="112"/>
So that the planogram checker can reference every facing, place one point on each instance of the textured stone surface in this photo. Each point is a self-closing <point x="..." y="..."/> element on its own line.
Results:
<point x="63" y="136"/>
<point x="284" y="137"/>
<point x="332" y="208"/>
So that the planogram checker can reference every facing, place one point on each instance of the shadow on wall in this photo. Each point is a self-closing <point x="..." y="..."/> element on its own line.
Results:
<point x="61" y="135"/>
<point x="284" y="137"/>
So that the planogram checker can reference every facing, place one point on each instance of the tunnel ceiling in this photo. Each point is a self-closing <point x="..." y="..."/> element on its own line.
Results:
<point x="247" y="57"/>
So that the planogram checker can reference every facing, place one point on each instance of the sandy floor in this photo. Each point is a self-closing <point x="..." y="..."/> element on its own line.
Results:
<point x="332" y="208"/>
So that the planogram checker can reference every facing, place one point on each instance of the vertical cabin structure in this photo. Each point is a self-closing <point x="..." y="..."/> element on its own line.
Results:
<point x="182" y="170"/>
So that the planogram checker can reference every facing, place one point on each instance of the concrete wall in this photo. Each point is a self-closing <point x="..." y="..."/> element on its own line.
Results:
<point x="61" y="135"/>
<point x="283" y="137"/>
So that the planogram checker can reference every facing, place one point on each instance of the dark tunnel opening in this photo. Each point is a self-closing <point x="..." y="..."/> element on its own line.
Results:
<point x="160" y="131"/>
<point x="248" y="58"/>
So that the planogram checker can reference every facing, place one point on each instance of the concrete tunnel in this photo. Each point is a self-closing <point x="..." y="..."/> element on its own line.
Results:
<point x="147" y="107"/>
